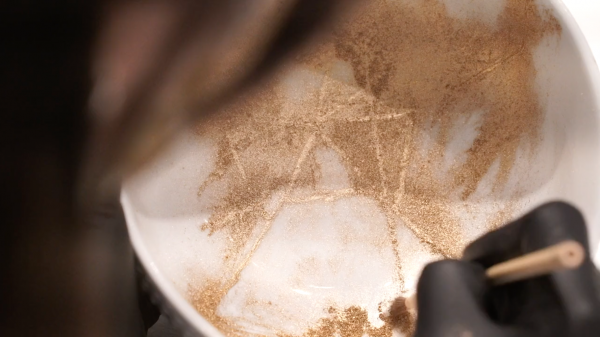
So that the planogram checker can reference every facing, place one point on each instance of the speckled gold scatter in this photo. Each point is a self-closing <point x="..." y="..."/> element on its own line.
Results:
<point x="350" y="322"/>
<point x="416" y="71"/>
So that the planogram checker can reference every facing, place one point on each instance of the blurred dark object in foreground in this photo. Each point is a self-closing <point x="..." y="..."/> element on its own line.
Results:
<point x="44" y="84"/>
<point x="66" y="268"/>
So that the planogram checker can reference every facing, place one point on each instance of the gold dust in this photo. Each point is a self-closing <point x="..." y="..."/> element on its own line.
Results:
<point x="350" y="322"/>
<point x="416" y="72"/>
<point x="206" y="299"/>
<point x="452" y="68"/>
<point x="401" y="318"/>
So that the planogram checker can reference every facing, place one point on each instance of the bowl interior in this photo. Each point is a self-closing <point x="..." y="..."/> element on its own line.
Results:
<point x="407" y="131"/>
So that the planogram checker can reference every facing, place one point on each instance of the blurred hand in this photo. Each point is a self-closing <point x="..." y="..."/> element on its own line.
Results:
<point x="65" y="267"/>
<point x="454" y="298"/>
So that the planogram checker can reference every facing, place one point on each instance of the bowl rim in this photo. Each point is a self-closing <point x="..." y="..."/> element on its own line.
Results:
<point x="593" y="73"/>
<point x="203" y="326"/>
<point x="162" y="283"/>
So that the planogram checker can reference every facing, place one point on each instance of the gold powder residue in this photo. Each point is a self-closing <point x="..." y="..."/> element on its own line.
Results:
<point x="451" y="70"/>
<point x="254" y="157"/>
<point x="400" y="317"/>
<point x="206" y="299"/>
<point x="351" y="322"/>
<point x="354" y="322"/>
<point x="416" y="72"/>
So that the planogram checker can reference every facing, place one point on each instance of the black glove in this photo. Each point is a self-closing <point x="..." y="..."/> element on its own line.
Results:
<point x="454" y="298"/>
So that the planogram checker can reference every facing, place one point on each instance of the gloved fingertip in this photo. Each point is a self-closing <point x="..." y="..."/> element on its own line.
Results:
<point x="552" y="223"/>
<point x="451" y="283"/>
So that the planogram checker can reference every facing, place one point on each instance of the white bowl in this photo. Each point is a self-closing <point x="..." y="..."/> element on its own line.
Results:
<point x="328" y="239"/>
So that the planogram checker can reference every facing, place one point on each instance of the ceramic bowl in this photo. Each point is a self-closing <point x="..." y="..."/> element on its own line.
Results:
<point x="310" y="203"/>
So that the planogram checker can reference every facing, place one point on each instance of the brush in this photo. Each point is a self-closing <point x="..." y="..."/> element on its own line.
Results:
<point x="562" y="256"/>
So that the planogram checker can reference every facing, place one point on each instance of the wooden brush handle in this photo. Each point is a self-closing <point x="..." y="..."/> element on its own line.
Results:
<point x="565" y="255"/>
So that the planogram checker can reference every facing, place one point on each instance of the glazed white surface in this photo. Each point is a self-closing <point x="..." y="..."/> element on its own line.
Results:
<point x="587" y="15"/>
<point x="163" y="210"/>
